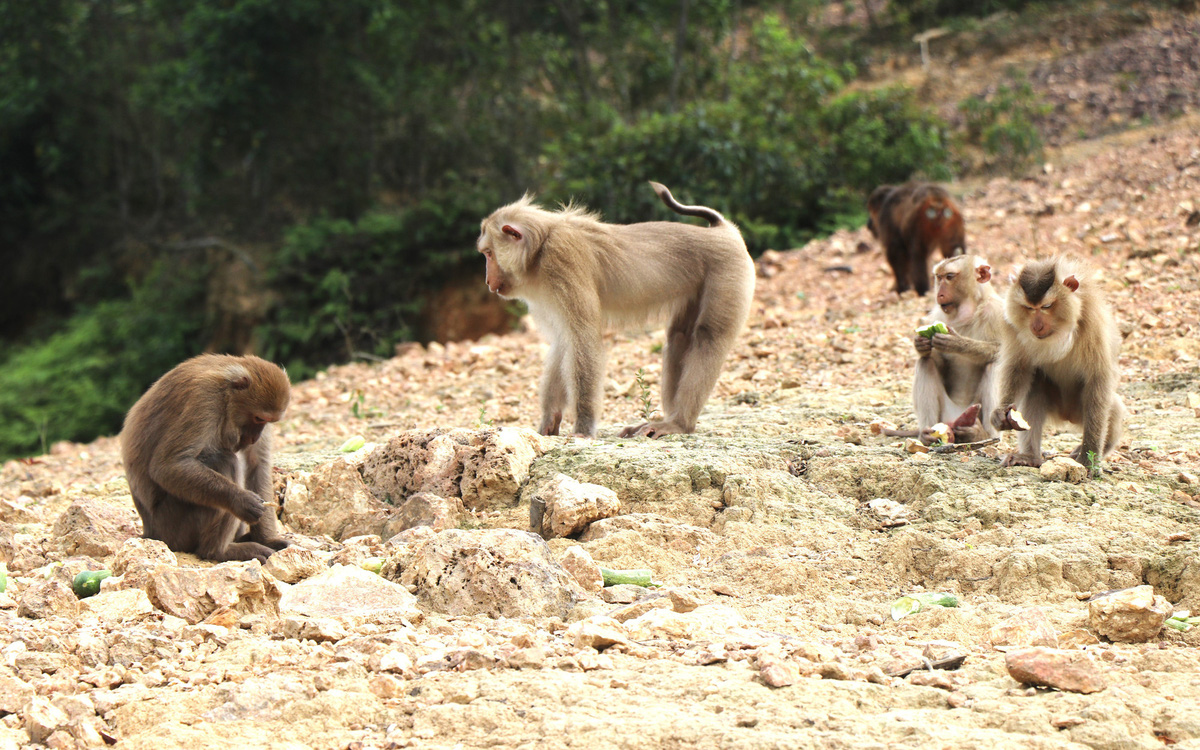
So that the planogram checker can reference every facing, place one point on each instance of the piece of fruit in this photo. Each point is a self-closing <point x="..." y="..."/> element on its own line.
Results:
<point x="940" y="433"/>
<point x="907" y="605"/>
<point x="353" y="444"/>
<point x="932" y="329"/>
<point x="636" y="576"/>
<point x="373" y="564"/>
<point x="87" y="583"/>
<point x="1017" y="420"/>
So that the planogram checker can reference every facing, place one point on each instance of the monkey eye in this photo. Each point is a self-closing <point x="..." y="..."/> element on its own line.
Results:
<point x="258" y="419"/>
<point x="1048" y="306"/>
<point x="947" y="212"/>
<point x="931" y="213"/>
<point x="950" y="276"/>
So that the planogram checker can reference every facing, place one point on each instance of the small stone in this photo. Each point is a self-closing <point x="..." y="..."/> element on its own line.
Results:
<point x="425" y="509"/>
<point x="1133" y="615"/>
<point x="570" y="505"/>
<point x="957" y="700"/>
<point x="1066" y="722"/>
<point x="683" y="600"/>
<point x="1073" y="671"/>
<point x="1063" y="469"/>
<point x="294" y="564"/>
<point x="778" y="672"/>
<point x="622" y="593"/>
<point x="14" y="692"/>
<point x="42" y="718"/>
<point x="137" y="557"/>
<point x="47" y="598"/>
<point x="1029" y="627"/>
<point x="1188" y="478"/>
<point x="597" y="632"/>
<point x="931" y="678"/>
<point x="583" y="569"/>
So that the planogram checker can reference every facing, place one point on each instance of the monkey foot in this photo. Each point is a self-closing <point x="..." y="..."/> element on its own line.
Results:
<point x="652" y="430"/>
<point x="1021" y="459"/>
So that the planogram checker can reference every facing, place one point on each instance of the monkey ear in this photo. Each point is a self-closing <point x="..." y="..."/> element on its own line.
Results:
<point x="983" y="273"/>
<point x="511" y="231"/>
<point x="238" y="377"/>
<point x="1071" y="283"/>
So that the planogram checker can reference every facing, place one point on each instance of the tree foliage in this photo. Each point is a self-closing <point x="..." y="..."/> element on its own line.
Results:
<point x="362" y="140"/>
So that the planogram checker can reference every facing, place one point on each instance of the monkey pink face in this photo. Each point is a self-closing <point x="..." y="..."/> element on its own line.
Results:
<point x="498" y="280"/>
<point x="252" y="431"/>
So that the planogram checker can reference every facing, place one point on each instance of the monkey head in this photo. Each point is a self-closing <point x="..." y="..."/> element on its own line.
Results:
<point x="257" y="394"/>
<point x="1044" y="308"/>
<point x="956" y="283"/>
<point x="509" y="240"/>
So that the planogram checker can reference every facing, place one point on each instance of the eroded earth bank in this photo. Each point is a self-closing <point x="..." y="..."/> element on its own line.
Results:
<point x="771" y="627"/>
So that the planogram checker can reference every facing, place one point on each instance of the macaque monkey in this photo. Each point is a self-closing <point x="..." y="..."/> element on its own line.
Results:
<point x="911" y="221"/>
<point x="198" y="457"/>
<point x="578" y="274"/>
<point x="955" y="370"/>
<point x="1058" y="361"/>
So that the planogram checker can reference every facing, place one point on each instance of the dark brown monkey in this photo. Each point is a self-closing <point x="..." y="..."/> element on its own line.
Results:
<point x="1058" y="361"/>
<point x="911" y="221"/>
<point x="955" y="370"/>
<point x="578" y="274"/>
<point x="198" y="457"/>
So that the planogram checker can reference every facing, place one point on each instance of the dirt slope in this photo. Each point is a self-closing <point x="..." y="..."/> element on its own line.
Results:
<point x="761" y="517"/>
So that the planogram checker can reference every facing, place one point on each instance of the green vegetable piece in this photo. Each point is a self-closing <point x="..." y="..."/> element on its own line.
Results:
<point x="907" y="605"/>
<point x="373" y="564"/>
<point x="353" y="444"/>
<point x="636" y="576"/>
<point x="3" y="581"/>
<point x="87" y="583"/>
<point x="931" y="329"/>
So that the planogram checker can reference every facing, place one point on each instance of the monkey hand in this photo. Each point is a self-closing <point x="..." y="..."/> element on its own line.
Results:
<point x="923" y="346"/>
<point x="949" y="342"/>
<point x="248" y="507"/>
<point x="1002" y="418"/>
<point x="1021" y="459"/>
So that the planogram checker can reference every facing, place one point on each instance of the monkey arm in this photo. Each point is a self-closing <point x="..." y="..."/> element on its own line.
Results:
<point x="1016" y="378"/>
<point x="977" y="350"/>
<point x="188" y="478"/>
<point x="1097" y="394"/>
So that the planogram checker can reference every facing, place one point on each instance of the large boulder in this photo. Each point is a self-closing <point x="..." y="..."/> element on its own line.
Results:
<point x="500" y="572"/>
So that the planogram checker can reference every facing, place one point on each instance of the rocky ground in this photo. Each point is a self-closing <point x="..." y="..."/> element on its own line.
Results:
<point x="781" y="534"/>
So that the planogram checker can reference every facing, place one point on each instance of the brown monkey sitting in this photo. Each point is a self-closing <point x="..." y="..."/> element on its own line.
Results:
<point x="198" y="457"/>
<point x="1058" y="361"/>
<point x="578" y="274"/>
<point x="911" y="221"/>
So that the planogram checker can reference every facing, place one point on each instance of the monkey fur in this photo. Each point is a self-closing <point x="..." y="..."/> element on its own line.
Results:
<point x="1058" y="361"/>
<point x="911" y="221"/>
<point x="956" y="370"/>
<point x="579" y="275"/>
<point x="197" y="454"/>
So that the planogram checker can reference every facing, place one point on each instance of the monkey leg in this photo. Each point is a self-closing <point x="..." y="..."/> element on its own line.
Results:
<point x="929" y="393"/>
<point x="700" y="351"/>
<point x="896" y="257"/>
<point x="217" y="540"/>
<point x="587" y="369"/>
<point x="918" y="266"/>
<point x="257" y="468"/>
<point x="553" y="390"/>
<point x="679" y="336"/>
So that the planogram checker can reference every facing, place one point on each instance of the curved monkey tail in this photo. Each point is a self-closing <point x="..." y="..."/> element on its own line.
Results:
<point x="712" y="216"/>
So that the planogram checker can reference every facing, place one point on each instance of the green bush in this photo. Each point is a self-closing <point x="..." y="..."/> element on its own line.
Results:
<point x="1004" y="125"/>
<point x="348" y="288"/>
<point x="780" y="157"/>
<point x="79" y="382"/>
